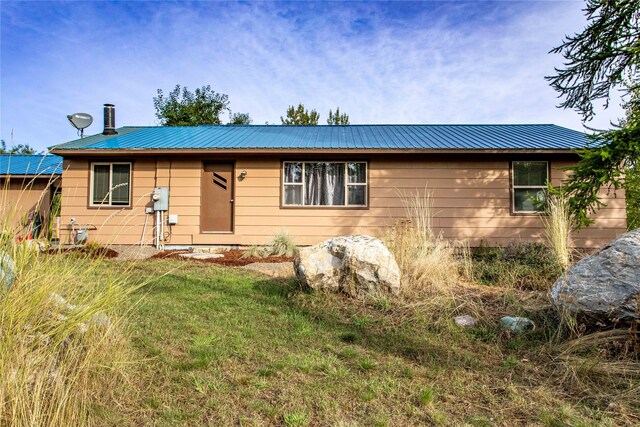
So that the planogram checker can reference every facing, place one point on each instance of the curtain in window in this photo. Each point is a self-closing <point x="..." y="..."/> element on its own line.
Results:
<point x="324" y="184"/>
<point x="120" y="182"/>
<point x="100" y="184"/>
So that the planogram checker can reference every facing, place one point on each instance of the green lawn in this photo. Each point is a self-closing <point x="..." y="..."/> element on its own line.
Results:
<point x="218" y="346"/>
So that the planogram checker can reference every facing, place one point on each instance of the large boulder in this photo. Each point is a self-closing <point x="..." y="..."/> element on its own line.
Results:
<point x="605" y="285"/>
<point x="356" y="265"/>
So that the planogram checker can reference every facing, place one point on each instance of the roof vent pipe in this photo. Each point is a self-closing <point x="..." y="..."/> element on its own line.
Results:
<point x="109" y="120"/>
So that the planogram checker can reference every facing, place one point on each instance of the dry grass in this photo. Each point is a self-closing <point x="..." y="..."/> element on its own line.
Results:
<point x="558" y="226"/>
<point x="439" y="282"/>
<point x="63" y="350"/>
<point x="428" y="262"/>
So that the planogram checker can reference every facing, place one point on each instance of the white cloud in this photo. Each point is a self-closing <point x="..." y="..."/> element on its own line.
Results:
<point x="436" y="63"/>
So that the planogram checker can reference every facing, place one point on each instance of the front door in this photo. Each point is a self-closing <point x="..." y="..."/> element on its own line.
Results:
<point x="216" y="202"/>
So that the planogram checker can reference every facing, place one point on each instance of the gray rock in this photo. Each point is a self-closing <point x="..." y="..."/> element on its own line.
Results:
<point x="356" y="265"/>
<point x="7" y="269"/>
<point x="517" y="324"/>
<point x="605" y="285"/>
<point x="465" y="321"/>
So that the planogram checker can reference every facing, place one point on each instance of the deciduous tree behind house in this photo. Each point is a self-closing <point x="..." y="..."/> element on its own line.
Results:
<point x="300" y="116"/>
<point x="204" y="106"/>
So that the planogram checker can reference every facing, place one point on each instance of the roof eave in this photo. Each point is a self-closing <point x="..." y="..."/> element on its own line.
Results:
<point x="130" y="152"/>
<point x="37" y="176"/>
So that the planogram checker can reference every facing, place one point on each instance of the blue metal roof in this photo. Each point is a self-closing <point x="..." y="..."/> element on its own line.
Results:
<point x="349" y="137"/>
<point x="36" y="164"/>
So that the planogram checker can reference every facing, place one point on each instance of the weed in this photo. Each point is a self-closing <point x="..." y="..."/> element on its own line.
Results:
<point x="366" y="364"/>
<point x="426" y="396"/>
<point x="361" y="322"/>
<point x="510" y="362"/>
<point x="382" y="303"/>
<point x="296" y="419"/>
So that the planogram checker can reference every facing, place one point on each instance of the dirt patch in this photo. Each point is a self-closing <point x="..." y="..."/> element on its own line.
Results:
<point x="92" y="251"/>
<point x="134" y="252"/>
<point x="231" y="258"/>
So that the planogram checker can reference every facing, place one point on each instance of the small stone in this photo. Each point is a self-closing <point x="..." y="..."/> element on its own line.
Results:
<point x="465" y="321"/>
<point x="82" y="328"/>
<point x="60" y="303"/>
<point x="7" y="269"/>
<point x="101" y="319"/>
<point x="517" y="324"/>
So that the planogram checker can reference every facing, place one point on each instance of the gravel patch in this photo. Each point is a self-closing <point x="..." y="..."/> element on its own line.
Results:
<point x="273" y="269"/>
<point x="133" y="252"/>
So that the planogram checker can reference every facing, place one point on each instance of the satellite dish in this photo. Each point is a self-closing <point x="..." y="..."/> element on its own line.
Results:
<point x="80" y="121"/>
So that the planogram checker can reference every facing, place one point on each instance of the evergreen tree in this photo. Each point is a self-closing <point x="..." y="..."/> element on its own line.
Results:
<point x="601" y="57"/>
<point x="337" y="118"/>
<point x="604" y="56"/>
<point x="300" y="116"/>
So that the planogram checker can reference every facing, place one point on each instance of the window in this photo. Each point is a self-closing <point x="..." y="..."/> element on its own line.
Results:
<point x="110" y="184"/>
<point x="324" y="184"/>
<point x="529" y="185"/>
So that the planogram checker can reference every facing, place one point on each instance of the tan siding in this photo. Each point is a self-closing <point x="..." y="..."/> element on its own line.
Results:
<point x="18" y="196"/>
<point x="472" y="200"/>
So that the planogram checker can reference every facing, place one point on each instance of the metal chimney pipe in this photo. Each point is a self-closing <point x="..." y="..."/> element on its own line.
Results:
<point x="109" y="120"/>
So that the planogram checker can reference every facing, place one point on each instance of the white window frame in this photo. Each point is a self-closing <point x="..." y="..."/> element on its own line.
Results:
<point x="108" y="202"/>
<point x="515" y="187"/>
<point x="347" y="184"/>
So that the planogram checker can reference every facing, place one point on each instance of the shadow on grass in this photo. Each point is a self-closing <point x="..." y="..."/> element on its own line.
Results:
<point x="418" y="347"/>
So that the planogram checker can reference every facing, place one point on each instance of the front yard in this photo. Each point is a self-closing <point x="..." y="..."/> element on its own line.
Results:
<point x="219" y="346"/>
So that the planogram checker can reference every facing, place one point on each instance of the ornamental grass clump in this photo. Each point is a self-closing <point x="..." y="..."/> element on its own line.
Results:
<point x="282" y="245"/>
<point x="557" y="228"/>
<point x="62" y="346"/>
<point x="428" y="262"/>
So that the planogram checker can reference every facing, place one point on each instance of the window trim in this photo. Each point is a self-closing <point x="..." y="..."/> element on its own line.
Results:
<point x="346" y="185"/>
<point x="513" y="187"/>
<point x="109" y="203"/>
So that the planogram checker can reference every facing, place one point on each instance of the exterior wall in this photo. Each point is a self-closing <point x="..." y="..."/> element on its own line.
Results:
<point x="19" y="195"/>
<point x="471" y="201"/>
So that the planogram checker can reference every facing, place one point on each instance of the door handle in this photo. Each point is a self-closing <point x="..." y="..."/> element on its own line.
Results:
<point x="231" y="201"/>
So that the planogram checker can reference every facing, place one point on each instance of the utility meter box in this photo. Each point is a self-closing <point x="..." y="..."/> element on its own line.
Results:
<point x="161" y="199"/>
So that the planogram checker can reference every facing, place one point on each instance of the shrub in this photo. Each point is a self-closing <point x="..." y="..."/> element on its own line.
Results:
<point x="523" y="265"/>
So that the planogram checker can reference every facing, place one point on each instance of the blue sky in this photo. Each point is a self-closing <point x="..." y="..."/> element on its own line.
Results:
<point x="396" y="62"/>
